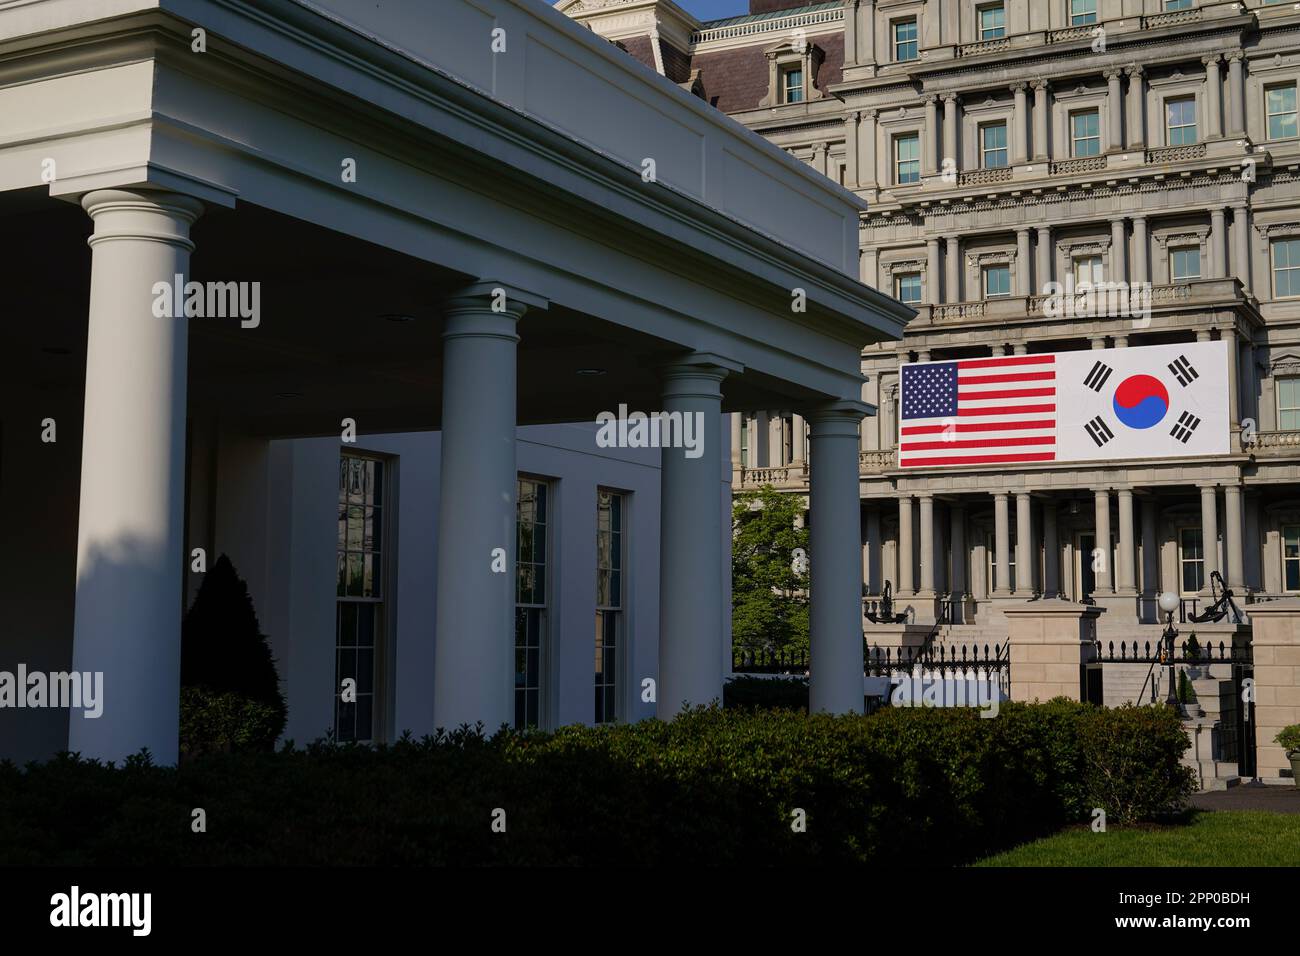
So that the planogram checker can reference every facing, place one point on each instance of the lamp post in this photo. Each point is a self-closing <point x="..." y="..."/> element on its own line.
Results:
<point x="1168" y="604"/>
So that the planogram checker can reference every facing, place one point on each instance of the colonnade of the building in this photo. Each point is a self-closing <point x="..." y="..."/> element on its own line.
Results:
<point x="1026" y="536"/>
<point x="130" y="548"/>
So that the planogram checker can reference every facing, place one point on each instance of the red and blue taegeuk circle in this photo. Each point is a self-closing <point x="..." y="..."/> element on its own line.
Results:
<point x="1141" y="401"/>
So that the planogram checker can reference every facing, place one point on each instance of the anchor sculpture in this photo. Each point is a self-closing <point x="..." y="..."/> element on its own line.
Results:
<point x="885" y="613"/>
<point x="1222" y="603"/>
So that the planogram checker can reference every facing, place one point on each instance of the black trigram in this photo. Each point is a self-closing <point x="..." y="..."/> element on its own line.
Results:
<point x="1183" y="370"/>
<point x="1097" y="377"/>
<point x="1187" y="423"/>
<point x="1098" y="430"/>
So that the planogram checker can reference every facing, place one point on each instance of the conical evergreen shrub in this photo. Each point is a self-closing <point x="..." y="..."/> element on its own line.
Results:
<point x="223" y="649"/>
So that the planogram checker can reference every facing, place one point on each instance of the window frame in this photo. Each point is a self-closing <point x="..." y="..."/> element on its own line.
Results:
<point x="1174" y="252"/>
<point x="1170" y="126"/>
<point x="1294" y="88"/>
<point x="1004" y="149"/>
<point x="898" y="139"/>
<point x="1184" y="561"/>
<point x="1287" y="559"/>
<point x="1292" y="268"/>
<point x="898" y="287"/>
<point x="613" y="667"/>
<point x="991" y="33"/>
<point x="1283" y="410"/>
<point x="785" y="88"/>
<point x="913" y="42"/>
<point x="1099" y="272"/>
<point x="1075" y="140"/>
<point x="522" y="608"/>
<point x="1086" y="18"/>
<point x="990" y="269"/>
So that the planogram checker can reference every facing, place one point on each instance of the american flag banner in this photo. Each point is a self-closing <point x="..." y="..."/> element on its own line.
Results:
<point x="981" y="411"/>
<point x="1154" y="401"/>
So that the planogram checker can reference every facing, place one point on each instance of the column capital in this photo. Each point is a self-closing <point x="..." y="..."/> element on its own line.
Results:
<point x="1019" y="86"/>
<point x="869" y="114"/>
<point x="499" y="298"/>
<point x="1135" y="69"/>
<point x="1210" y="59"/>
<point x="1140" y="218"/>
<point x="1044" y="85"/>
<point x="1234" y="56"/>
<point x="826" y="416"/>
<point x="1024" y="230"/>
<point x="930" y="99"/>
<point x="954" y="98"/>
<point x="1044" y="230"/>
<point x="147" y="214"/>
<point x="1113" y="73"/>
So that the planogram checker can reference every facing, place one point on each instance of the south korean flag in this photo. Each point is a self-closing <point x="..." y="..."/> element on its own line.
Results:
<point x="1153" y="401"/>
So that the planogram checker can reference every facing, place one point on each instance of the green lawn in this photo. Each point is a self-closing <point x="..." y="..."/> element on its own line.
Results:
<point x="1224" y="838"/>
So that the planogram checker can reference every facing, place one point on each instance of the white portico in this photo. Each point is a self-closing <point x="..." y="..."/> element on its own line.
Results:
<point x="508" y="225"/>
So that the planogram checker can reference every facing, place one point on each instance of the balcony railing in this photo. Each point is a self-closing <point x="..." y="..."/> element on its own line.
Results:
<point x="985" y="177"/>
<point x="1070" y="34"/>
<point x="1176" y="154"/>
<point x="873" y="462"/>
<point x="981" y="47"/>
<point x="1268" y="444"/>
<point x="1086" y="164"/>
<point x="1171" y="18"/>
<point x="772" y="25"/>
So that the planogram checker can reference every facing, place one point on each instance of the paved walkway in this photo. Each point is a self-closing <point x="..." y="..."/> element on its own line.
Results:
<point x="1250" y="797"/>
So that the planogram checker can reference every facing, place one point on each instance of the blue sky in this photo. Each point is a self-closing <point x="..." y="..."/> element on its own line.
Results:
<point x="714" y="9"/>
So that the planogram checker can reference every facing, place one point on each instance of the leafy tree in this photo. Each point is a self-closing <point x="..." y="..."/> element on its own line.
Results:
<point x="769" y="598"/>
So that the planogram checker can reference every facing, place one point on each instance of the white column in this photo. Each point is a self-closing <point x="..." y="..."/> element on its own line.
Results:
<point x="1025" y="563"/>
<point x="905" y="586"/>
<point x="1213" y="96"/>
<point x="927" y="546"/>
<point x="775" y="440"/>
<point x="867" y="149"/>
<point x="1051" y="551"/>
<point x="951" y="104"/>
<point x="1042" y="150"/>
<point x="929" y="158"/>
<point x="1218" y="243"/>
<point x="798" y="439"/>
<point x="1139" y="272"/>
<point x="1118" y="247"/>
<point x="474" y="642"/>
<point x="1150" y="560"/>
<point x="1114" y="109"/>
<point x="691" y="546"/>
<point x="751" y="453"/>
<point x="130" y="552"/>
<point x="1124" y="583"/>
<point x="873" y="551"/>
<point x="952" y="289"/>
<point x="1019" y="149"/>
<point x="1002" y="544"/>
<point x="1232" y="537"/>
<point x="1023" y="286"/>
<point x="835" y="614"/>
<point x="852" y="151"/>
<point x="957" y="543"/>
<point x="1136" y="107"/>
<point x="1043" y="268"/>
<point x="1236" y="124"/>
<point x="932" y="292"/>
<point x="1101" y="541"/>
<point x="735" y="422"/>
<point x="1241" y="244"/>
<point x="1209" y="533"/>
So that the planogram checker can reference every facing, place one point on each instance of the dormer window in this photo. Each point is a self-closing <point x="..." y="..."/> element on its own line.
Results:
<point x="792" y="73"/>
<point x="792" y="84"/>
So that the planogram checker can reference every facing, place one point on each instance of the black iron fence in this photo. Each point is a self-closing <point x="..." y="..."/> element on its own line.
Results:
<point x="1186" y="652"/>
<point x="951" y="661"/>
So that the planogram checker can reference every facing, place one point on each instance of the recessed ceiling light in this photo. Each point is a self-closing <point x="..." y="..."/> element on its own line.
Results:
<point x="397" y="317"/>
<point x="590" y="371"/>
<point x="56" y="350"/>
<point x="288" y="394"/>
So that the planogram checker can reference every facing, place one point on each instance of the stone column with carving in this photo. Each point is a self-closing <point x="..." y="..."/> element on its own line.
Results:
<point x="952" y="277"/>
<point x="1020" y="133"/>
<point x="1136" y="107"/>
<point x="1140" y="270"/>
<point x="951" y="119"/>
<point x="1236" y="88"/>
<point x="1023" y="284"/>
<point x="867" y="175"/>
<point x="1114" y="109"/>
<point x="1213" y="96"/>
<point x="1044" y="265"/>
<point x="1042" y="146"/>
<point x="929" y="154"/>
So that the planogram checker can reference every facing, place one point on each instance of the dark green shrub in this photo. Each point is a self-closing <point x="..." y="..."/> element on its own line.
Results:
<point x="766" y="693"/>
<point x="224" y="652"/>
<point x="225" y="723"/>
<point x="714" y="786"/>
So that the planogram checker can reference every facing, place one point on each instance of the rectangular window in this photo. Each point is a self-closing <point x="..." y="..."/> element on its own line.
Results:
<point x="1291" y="557"/>
<point x="1085" y="133"/>
<point x="1180" y="121"/>
<point x="1286" y="267"/>
<point x="991" y="550"/>
<point x="792" y="85"/>
<point x="1082" y="12"/>
<point x="532" y="512"/>
<point x="993" y="21"/>
<point x="905" y="40"/>
<point x="358" y="618"/>
<point x="997" y="281"/>
<point x="1288" y="403"/>
<point x="993" y="145"/>
<point x="907" y="288"/>
<point x="907" y="159"/>
<point x="1087" y="270"/>
<point x="1191" y="560"/>
<point x="609" y="602"/>
<point x="1178" y="5"/>
<point x="1185" y="264"/>
<point x="1280" y="108"/>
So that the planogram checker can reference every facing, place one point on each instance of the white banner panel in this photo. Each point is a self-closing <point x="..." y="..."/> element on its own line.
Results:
<point x="1147" y="402"/>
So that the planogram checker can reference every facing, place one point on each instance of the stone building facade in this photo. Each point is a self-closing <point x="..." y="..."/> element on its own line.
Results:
<point x="1002" y="146"/>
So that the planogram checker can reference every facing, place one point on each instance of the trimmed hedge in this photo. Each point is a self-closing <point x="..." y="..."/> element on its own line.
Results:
<point x="712" y="787"/>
